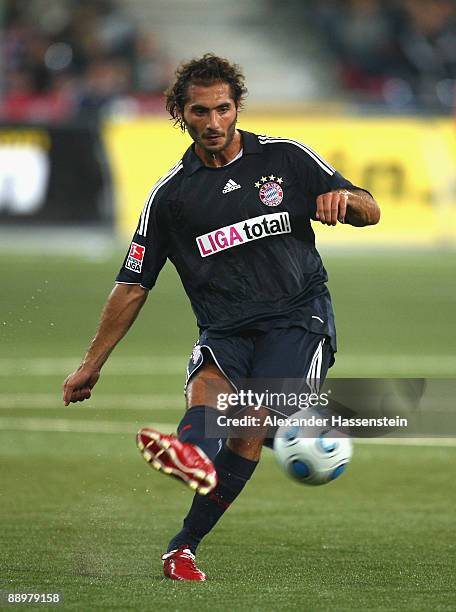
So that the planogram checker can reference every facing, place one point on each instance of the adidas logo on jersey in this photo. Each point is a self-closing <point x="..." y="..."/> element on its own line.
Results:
<point x="230" y="186"/>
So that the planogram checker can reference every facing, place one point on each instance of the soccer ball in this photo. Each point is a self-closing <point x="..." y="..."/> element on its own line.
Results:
<point x="309" y="454"/>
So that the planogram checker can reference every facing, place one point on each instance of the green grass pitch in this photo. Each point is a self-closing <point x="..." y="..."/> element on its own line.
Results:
<point x="83" y="515"/>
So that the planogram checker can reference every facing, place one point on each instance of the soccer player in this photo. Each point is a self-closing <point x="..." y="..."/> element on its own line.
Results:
<point x="234" y="217"/>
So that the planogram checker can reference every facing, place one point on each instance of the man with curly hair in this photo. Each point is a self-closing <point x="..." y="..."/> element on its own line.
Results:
<point x="234" y="217"/>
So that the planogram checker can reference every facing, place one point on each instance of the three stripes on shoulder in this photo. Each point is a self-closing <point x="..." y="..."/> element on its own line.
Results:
<point x="231" y="185"/>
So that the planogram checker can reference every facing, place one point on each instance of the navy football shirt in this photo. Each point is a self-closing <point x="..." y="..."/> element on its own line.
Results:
<point x="240" y="237"/>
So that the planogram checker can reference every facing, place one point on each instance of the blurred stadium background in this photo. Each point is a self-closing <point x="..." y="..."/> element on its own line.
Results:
<point x="371" y="85"/>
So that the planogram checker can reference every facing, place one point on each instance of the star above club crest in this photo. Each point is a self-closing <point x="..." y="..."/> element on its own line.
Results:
<point x="257" y="184"/>
<point x="279" y="180"/>
<point x="271" y="177"/>
<point x="264" y="179"/>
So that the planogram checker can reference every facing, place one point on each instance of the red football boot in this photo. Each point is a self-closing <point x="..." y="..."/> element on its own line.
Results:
<point x="180" y="565"/>
<point x="182" y="460"/>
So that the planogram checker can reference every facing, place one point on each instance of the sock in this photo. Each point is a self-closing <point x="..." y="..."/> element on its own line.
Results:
<point x="233" y="473"/>
<point x="192" y="429"/>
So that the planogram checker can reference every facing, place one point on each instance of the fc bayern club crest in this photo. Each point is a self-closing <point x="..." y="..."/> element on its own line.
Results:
<point x="271" y="192"/>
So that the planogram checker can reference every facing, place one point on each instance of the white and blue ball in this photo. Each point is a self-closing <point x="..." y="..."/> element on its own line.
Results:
<point x="312" y="455"/>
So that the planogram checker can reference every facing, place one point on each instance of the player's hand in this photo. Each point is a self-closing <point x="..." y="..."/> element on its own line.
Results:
<point x="78" y="386"/>
<point x="332" y="207"/>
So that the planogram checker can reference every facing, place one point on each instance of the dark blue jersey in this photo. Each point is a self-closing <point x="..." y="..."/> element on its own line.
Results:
<point x="240" y="237"/>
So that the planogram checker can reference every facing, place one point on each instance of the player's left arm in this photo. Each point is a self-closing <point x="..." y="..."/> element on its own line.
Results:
<point x="353" y="206"/>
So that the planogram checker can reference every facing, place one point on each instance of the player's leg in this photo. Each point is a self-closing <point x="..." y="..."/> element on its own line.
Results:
<point x="202" y="391"/>
<point x="295" y="358"/>
<point x="189" y="455"/>
<point x="235" y="464"/>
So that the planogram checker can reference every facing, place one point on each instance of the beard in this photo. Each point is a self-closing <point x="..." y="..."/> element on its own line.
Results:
<point x="203" y="144"/>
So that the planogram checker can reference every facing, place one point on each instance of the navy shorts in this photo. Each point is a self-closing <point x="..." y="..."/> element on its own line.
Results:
<point x="293" y="357"/>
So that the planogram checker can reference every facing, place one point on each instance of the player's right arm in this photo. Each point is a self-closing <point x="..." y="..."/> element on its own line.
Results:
<point x="145" y="258"/>
<point x="119" y="313"/>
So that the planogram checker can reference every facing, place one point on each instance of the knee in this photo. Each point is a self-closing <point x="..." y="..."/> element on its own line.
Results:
<point x="206" y="386"/>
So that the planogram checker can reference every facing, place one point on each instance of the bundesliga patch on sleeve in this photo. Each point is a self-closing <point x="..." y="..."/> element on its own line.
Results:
<point x="135" y="257"/>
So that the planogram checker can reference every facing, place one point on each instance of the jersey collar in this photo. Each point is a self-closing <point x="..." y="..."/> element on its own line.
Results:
<point x="192" y="162"/>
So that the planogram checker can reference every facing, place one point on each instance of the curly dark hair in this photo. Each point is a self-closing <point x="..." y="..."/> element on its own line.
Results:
<point x="203" y="71"/>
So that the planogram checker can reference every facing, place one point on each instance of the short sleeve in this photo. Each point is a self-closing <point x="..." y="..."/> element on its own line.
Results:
<point x="315" y="174"/>
<point x="147" y="252"/>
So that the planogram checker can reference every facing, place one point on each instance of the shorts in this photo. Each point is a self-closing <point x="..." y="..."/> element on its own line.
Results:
<point x="288" y="358"/>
